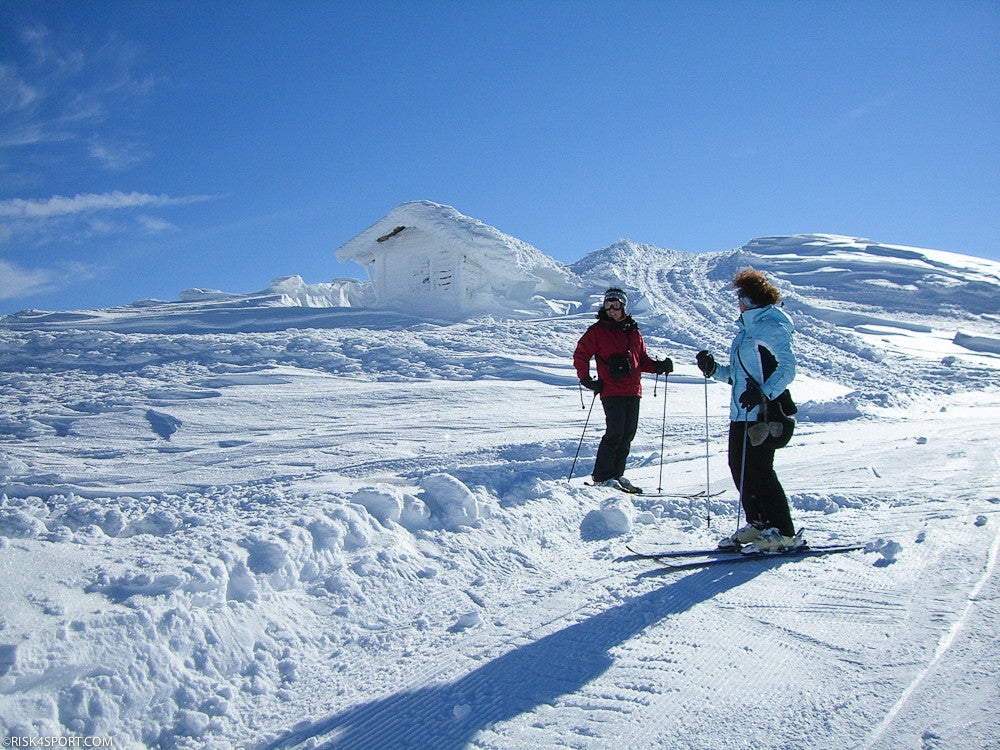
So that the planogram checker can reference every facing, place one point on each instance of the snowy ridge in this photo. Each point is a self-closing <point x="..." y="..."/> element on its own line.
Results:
<point x="850" y="298"/>
<point x="317" y="524"/>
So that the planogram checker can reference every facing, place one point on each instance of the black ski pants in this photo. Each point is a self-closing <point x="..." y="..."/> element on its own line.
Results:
<point x="764" y="501"/>
<point x="621" y="417"/>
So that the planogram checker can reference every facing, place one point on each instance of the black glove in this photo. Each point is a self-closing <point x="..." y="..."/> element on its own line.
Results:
<point x="752" y="396"/>
<point x="706" y="363"/>
<point x="664" y="366"/>
<point x="595" y="385"/>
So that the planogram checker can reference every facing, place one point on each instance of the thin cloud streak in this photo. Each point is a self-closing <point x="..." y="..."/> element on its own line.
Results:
<point x="58" y="205"/>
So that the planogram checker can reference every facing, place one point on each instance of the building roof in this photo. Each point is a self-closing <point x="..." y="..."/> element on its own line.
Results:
<point x="452" y="229"/>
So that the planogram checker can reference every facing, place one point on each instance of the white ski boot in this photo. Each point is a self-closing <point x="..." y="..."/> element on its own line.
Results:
<point x="744" y="536"/>
<point x="772" y="541"/>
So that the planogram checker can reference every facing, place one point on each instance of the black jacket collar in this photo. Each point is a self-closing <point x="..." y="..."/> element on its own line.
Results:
<point x="625" y="324"/>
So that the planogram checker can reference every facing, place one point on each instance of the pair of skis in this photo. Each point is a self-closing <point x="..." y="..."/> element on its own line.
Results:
<point x="689" y="559"/>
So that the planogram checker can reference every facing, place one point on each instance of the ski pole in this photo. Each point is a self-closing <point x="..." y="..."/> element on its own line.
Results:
<point x="708" y="478"/>
<point x="587" y="422"/>
<point x="663" y="430"/>
<point x="743" y="467"/>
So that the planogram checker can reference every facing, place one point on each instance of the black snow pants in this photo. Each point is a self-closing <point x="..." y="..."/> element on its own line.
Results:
<point x="621" y="417"/>
<point x="764" y="501"/>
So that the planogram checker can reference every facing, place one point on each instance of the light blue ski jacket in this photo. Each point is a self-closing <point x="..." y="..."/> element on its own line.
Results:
<point x="763" y="344"/>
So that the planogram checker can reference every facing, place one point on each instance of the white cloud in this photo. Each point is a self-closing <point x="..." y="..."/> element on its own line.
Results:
<point x="56" y="89"/>
<point x="31" y="134"/>
<point x="58" y="205"/>
<point x="80" y="218"/>
<point x="117" y="156"/>
<point x="16" y="94"/>
<point x="17" y="282"/>
<point x="154" y="224"/>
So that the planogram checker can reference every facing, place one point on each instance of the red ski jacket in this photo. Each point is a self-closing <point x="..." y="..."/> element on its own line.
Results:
<point x="605" y="338"/>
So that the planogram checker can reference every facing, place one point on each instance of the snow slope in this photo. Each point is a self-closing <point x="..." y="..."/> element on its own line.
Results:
<point x="255" y="521"/>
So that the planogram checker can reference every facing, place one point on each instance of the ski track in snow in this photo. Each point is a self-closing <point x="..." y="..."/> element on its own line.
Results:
<point x="358" y="533"/>
<point x="946" y="642"/>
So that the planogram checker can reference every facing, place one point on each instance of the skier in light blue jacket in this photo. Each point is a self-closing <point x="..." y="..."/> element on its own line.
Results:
<point x="761" y="366"/>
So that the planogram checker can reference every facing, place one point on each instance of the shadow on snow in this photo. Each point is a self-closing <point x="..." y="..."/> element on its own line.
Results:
<point x="448" y="716"/>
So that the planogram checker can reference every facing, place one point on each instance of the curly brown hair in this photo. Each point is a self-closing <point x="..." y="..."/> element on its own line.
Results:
<point x="754" y="285"/>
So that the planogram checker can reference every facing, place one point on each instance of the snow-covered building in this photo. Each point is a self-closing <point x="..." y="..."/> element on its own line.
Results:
<point x="430" y="259"/>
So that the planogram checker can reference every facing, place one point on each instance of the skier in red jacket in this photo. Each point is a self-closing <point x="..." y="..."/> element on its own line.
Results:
<point x="615" y="343"/>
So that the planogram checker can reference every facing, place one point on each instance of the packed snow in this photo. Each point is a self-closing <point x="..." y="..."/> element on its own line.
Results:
<point x="292" y="519"/>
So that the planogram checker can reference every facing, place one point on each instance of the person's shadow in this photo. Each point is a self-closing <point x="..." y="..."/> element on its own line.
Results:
<point x="447" y="717"/>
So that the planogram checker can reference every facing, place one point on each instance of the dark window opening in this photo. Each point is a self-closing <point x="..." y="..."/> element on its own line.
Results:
<point x="393" y="233"/>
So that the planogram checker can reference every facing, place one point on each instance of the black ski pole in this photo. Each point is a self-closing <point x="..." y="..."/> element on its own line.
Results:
<point x="663" y="430"/>
<point x="580" y="445"/>
<point x="743" y="468"/>
<point x="708" y="477"/>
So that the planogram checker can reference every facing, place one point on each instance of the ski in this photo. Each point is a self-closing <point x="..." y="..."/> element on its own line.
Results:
<point x="616" y="487"/>
<point x="676" y="495"/>
<point x="669" y="554"/>
<point x="666" y="554"/>
<point x="682" y="495"/>
<point x="711" y="558"/>
<point x="731" y="551"/>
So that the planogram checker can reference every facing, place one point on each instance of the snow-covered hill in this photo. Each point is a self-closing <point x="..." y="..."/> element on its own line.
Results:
<point x="919" y="316"/>
<point x="288" y="519"/>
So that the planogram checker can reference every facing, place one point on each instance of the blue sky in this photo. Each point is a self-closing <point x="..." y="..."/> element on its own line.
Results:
<point x="150" y="147"/>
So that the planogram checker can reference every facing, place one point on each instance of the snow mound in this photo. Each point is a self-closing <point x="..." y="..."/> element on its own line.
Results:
<point x="978" y="343"/>
<point x="614" y="518"/>
<point x="444" y="502"/>
<point x="451" y="503"/>
<point x="836" y="410"/>
<point x="292" y="291"/>
<point x="389" y="505"/>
